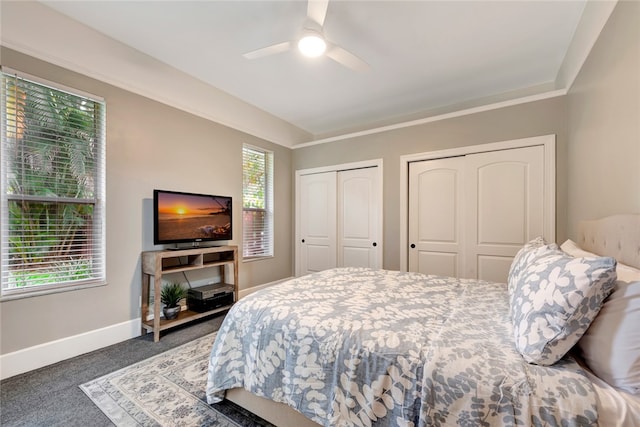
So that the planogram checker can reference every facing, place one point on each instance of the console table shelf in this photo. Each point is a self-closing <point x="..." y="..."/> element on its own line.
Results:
<point x="155" y="264"/>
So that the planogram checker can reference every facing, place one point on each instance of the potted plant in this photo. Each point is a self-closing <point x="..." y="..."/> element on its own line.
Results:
<point x="170" y="296"/>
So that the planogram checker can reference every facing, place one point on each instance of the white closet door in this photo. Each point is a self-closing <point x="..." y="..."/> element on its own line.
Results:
<point x="505" y="208"/>
<point x="435" y="216"/>
<point x="317" y="206"/>
<point x="469" y="215"/>
<point x="359" y="218"/>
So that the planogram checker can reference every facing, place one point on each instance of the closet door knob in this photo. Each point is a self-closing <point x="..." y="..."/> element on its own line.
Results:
<point x="375" y="244"/>
<point x="302" y="240"/>
<point x="413" y="246"/>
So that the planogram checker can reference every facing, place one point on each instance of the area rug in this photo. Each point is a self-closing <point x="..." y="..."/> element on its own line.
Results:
<point x="166" y="390"/>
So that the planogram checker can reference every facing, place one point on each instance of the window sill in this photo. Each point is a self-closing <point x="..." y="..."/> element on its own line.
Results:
<point x="257" y="258"/>
<point x="13" y="294"/>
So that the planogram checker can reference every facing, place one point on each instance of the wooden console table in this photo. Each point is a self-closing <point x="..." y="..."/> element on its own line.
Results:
<point x="157" y="263"/>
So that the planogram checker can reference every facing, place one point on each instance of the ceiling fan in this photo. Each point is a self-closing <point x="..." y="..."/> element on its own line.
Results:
<point x="312" y="43"/>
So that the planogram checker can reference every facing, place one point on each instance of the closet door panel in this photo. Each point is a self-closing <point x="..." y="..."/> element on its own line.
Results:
<point x="319" y="257"/>
<point x="317" y="222"/>
<point x="438" y="263"/>
<point x="338" y="219"/>
<point x="359" y="218"/>
<point x="502" y="202"/>
<point x="435" y="216"/>
<point x="356" y="257"/>
<point x="494" y="268"/>
<point x="505" y="208"/>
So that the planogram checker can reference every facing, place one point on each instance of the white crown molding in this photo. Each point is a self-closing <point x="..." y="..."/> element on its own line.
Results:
<point x="594" y="17"/>
<point x="79" y="48"/>
<point x="107" y="60"/>
<point x="459" y="113"/>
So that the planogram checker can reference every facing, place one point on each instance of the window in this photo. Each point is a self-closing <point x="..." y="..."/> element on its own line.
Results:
<point x="52" y="179"/>
<point x="257" y="202"/>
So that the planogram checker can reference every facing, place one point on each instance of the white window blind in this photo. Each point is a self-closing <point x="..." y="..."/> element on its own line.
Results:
<point x="257" y="202"/>
<point x="52" y="179"/>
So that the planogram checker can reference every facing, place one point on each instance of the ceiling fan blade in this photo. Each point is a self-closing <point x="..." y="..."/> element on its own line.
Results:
<point x="317" y="10"/>
<point x="269" y="50"/>
<point x="346" y="58"/>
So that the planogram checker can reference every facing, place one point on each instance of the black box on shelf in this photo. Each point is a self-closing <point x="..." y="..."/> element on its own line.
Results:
<point x="210" y="291"/>
<point x="202" y="305"/>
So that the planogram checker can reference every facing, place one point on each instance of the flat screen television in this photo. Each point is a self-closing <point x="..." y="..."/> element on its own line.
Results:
<point x="190" y="218"/>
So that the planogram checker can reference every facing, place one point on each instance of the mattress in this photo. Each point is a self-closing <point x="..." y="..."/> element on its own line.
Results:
<point x="357" y="346"/>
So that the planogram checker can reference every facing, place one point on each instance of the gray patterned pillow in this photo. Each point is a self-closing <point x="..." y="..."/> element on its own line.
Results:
<point x="554" y="297"/>
<point x="523" y="258"/>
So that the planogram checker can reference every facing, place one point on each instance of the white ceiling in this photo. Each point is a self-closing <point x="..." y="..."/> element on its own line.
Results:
<point x="424" y="56"/>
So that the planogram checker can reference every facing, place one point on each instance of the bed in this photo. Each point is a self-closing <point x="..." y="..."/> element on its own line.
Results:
<point x="357" y="346"/>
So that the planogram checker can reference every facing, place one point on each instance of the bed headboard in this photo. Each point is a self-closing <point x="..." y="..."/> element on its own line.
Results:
<point x="617" y="236"/>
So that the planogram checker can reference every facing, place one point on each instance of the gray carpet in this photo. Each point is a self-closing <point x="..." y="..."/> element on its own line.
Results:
<point x="51" y="396"/>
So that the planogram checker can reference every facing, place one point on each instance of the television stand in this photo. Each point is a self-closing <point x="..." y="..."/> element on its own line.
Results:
<point x="155" y="264"/>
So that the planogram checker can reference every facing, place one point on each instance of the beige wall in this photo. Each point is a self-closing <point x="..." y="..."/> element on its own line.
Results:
<point x="597" y="127"/>
<point x="149" y="145"/>
<point x="604" y="123"/>
<point x="526" y="120"/>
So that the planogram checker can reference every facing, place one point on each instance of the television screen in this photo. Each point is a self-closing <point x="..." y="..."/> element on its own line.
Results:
<point x="187" y="217"/>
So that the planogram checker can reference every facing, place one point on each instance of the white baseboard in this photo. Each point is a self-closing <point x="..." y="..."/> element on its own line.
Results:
<point x="45" y="354"/>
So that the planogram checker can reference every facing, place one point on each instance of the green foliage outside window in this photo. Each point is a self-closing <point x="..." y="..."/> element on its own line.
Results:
<point x="254" y="179"/>
<point x="257" y="205"/>
<point x="52" y="153"/>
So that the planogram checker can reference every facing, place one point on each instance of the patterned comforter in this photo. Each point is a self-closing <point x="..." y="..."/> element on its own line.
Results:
<point x="372" y="347"/>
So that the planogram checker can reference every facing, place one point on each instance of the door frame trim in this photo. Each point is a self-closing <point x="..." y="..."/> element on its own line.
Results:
<point x="547" y="141"/>
<point x="337" y="168"/>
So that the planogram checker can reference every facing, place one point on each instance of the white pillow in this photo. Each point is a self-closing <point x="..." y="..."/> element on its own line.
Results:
<point x="611" y="345"/>
<point x="572" y="248"/>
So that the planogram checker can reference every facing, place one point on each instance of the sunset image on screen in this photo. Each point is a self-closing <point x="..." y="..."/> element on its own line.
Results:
<point x="185" y="217"/>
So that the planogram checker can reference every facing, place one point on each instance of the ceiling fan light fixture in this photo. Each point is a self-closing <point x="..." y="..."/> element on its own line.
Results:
<point x="312" y="45"/>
